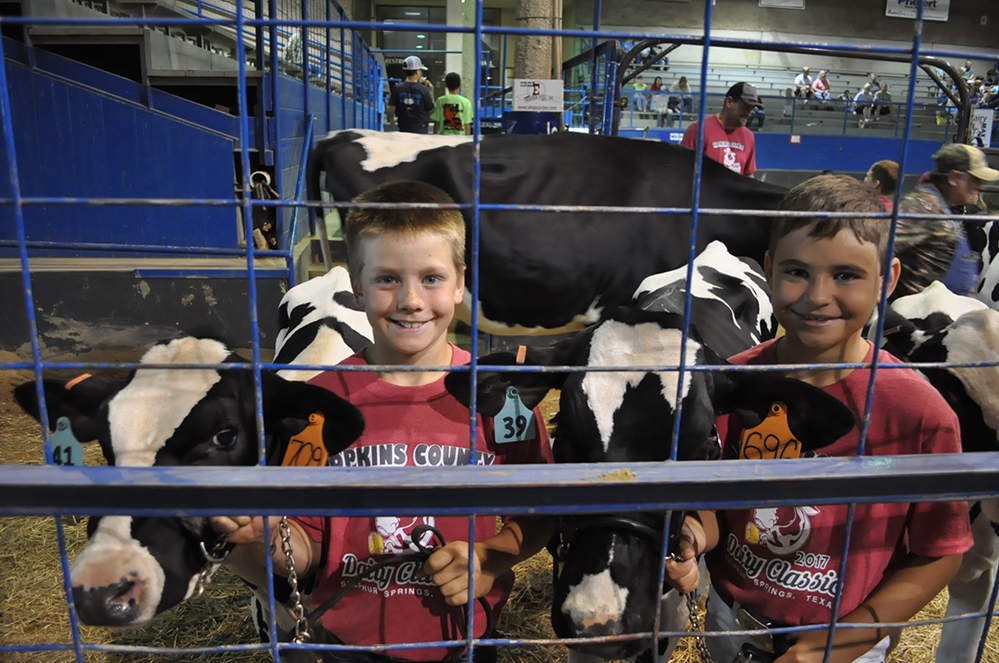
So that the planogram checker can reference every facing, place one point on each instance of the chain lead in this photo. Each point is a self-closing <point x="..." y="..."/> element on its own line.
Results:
<point x="695" y="626"/>
<point x="302" y="622"/>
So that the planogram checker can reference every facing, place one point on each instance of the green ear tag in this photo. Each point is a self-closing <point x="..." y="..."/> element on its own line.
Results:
<point x="515" y="421"/>
<point x="66" y="449"/>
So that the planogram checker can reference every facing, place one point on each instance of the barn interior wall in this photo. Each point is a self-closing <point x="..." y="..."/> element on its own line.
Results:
<point x="863" y="21"/>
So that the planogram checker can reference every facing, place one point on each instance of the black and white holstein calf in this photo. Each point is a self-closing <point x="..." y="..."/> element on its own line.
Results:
<point x="133" y="568"/>
<point x="606" y="577"/>
<point x="319" y="324"/>
<point x="544" y="272"/>
<point x="936" y="325"/>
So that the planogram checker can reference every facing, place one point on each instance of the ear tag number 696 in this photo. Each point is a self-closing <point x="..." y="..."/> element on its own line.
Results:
<point x="515" y="421"/>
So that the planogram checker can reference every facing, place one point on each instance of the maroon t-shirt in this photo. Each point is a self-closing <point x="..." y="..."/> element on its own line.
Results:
<point x="735" y="149"/>
<point x="423" y="426"/>
<point x="783" y="563"/>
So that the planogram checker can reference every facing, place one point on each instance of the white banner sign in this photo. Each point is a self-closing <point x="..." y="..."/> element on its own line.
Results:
<point x="933" y="10"/>
<point x="539" y="95"/>
<point x="980" y="130"/>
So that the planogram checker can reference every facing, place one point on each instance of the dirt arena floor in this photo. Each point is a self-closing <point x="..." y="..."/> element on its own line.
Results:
<point x="33" y="609"/>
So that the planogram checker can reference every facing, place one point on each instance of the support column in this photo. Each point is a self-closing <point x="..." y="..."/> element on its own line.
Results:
<point x="533" y="53"/>
<point x="468" y="52"/>
<point x="455" y="18"/>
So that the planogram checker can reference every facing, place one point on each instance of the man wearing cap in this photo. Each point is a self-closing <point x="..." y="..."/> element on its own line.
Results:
<point x="937" y="249"/>
<point x="411" y="100"/>
<point x="726" y="138"/>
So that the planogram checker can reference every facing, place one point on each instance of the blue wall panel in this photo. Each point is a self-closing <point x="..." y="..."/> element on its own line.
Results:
<point x="76" y="137"/>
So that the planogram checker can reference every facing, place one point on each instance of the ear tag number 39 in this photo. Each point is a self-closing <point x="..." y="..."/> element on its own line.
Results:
<point x="306" y="449"/>
<point x="515" y="421"/>
<point x="66" y="449"/>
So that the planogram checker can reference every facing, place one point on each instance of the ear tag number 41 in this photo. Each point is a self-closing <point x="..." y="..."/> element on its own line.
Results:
<point x="515" y="421"/>
<point x="66" y="449"/>
<point x="306" y="449"/>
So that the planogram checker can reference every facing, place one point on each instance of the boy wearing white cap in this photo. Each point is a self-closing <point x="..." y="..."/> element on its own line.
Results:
<point x="411" y="100"/>
<point x="932" y="249"/>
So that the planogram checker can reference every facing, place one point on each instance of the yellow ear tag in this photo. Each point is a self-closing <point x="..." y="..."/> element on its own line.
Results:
<point x="307" y="449"/>
<point x="772" y="438"/>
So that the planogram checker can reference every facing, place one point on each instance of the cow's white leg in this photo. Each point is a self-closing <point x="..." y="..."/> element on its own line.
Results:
<point x="969" y="592"/>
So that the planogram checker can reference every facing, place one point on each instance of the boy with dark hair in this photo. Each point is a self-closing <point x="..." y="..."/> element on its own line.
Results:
<point x="726" y="138"/>
<point x="453" y="113"/>
<point x="773" y="567"/>
<point x="407" y="268"/>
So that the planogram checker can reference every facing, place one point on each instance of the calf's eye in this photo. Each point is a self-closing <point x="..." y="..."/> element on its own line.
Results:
<point x="225" y="438"/>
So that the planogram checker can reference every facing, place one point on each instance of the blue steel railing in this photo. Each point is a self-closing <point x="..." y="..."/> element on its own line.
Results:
<point x="583" y="488"/>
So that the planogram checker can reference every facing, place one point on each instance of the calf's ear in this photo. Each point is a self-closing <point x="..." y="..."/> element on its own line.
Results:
<point x="79" y="399"/>
<point x="532" y="386"/>
<point x="815" y="418"/>
<point x="284" y="399"/>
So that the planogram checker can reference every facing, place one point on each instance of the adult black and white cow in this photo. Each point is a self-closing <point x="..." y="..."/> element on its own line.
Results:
<point x="319" y="324"/>
<point x="134" y="568"/>
<point x="606" y="580"/>
<point x="545" y="272"/>
<point x="937" y="325"/>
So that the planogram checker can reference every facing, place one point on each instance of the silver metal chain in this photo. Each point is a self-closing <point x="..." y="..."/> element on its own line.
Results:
<point x="697" y="627"/>
<point x="214" y="559"/>
<point x="297" y="609"/>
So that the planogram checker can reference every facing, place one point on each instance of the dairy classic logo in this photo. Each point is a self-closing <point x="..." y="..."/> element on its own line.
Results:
<point x="782" y="535"/>
<point x="394" y="535"/>
<point x="775" y="576"/>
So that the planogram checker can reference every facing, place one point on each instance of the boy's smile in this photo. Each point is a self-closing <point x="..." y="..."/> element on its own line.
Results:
<point x="823" y="292"/>
<point x="408" y="287"/>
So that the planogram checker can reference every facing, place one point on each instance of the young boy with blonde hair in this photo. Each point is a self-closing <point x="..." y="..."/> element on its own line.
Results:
<point x="780" y="566"/>
<point x="407" y="269"/>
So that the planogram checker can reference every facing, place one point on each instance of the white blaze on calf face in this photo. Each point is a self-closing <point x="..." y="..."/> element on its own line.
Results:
<point x="112" y="556"/>
<point x="386" y="150"/>
<point x="595" y="601"/>
<point x="144" y="414"/>
<point x="616" y="344"/>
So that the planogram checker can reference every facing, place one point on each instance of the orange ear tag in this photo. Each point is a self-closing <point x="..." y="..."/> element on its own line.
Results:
<point x="772" y="438"/>
<point x="307" y="449"/>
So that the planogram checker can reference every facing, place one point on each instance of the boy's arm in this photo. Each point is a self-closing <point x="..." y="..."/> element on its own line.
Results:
<point x="901" y="595"/>
<point x="698" y="535"/>
<point x="248" y="559"/>
<point x="520" y="538"/>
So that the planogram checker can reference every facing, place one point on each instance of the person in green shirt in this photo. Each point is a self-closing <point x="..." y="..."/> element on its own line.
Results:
<point x="453" y="113"/>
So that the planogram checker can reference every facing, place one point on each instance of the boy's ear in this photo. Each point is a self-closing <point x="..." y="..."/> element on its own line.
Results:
<point x="768" y="271"/>
<point x="491" y="395"/>
<point x="354" y="286"/>
<point x="815" y="418"/>
<point x="896" y="271"/>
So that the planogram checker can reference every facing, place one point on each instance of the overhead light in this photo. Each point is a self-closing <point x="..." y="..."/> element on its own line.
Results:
<point x="412" y="13"/>
<point x="419" y="45"/>
<point x="421" y="36"/>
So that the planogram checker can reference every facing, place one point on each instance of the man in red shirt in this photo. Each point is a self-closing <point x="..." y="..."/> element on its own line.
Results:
<point x="726" y="138"/>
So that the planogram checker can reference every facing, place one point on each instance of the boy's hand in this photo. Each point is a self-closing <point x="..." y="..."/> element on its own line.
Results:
<point x="685" y="575"/>
<point x="243" y="529"/>
<point x="448" y="567"/>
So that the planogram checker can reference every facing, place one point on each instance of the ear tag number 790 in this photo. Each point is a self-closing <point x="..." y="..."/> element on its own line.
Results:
<point x="515" y="421"/>
<point x="66" y="449"/>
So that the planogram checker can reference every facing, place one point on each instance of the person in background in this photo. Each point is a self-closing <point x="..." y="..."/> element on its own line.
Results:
<point x="726" y="138"/>
<point x="679" y="97"/>
<point x="411" y="100"/>
<point x="640" y="101"/>
<point x="657" y="84"/>
<point x="883" y="178"/>
<point x="883" y="102"/>
<point x="821" y="87"/>
<point x="863" y="104"/>
<point x="938" y="250"/>
<point x="660" y="106"/>
<point x="803" y="84"/>
<point x="453" y="113"/>
<point x="847" y="96"/>
<point x="968" y="71"/>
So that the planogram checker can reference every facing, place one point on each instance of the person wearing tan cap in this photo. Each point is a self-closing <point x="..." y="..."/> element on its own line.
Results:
<point x="937" y="249"/>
